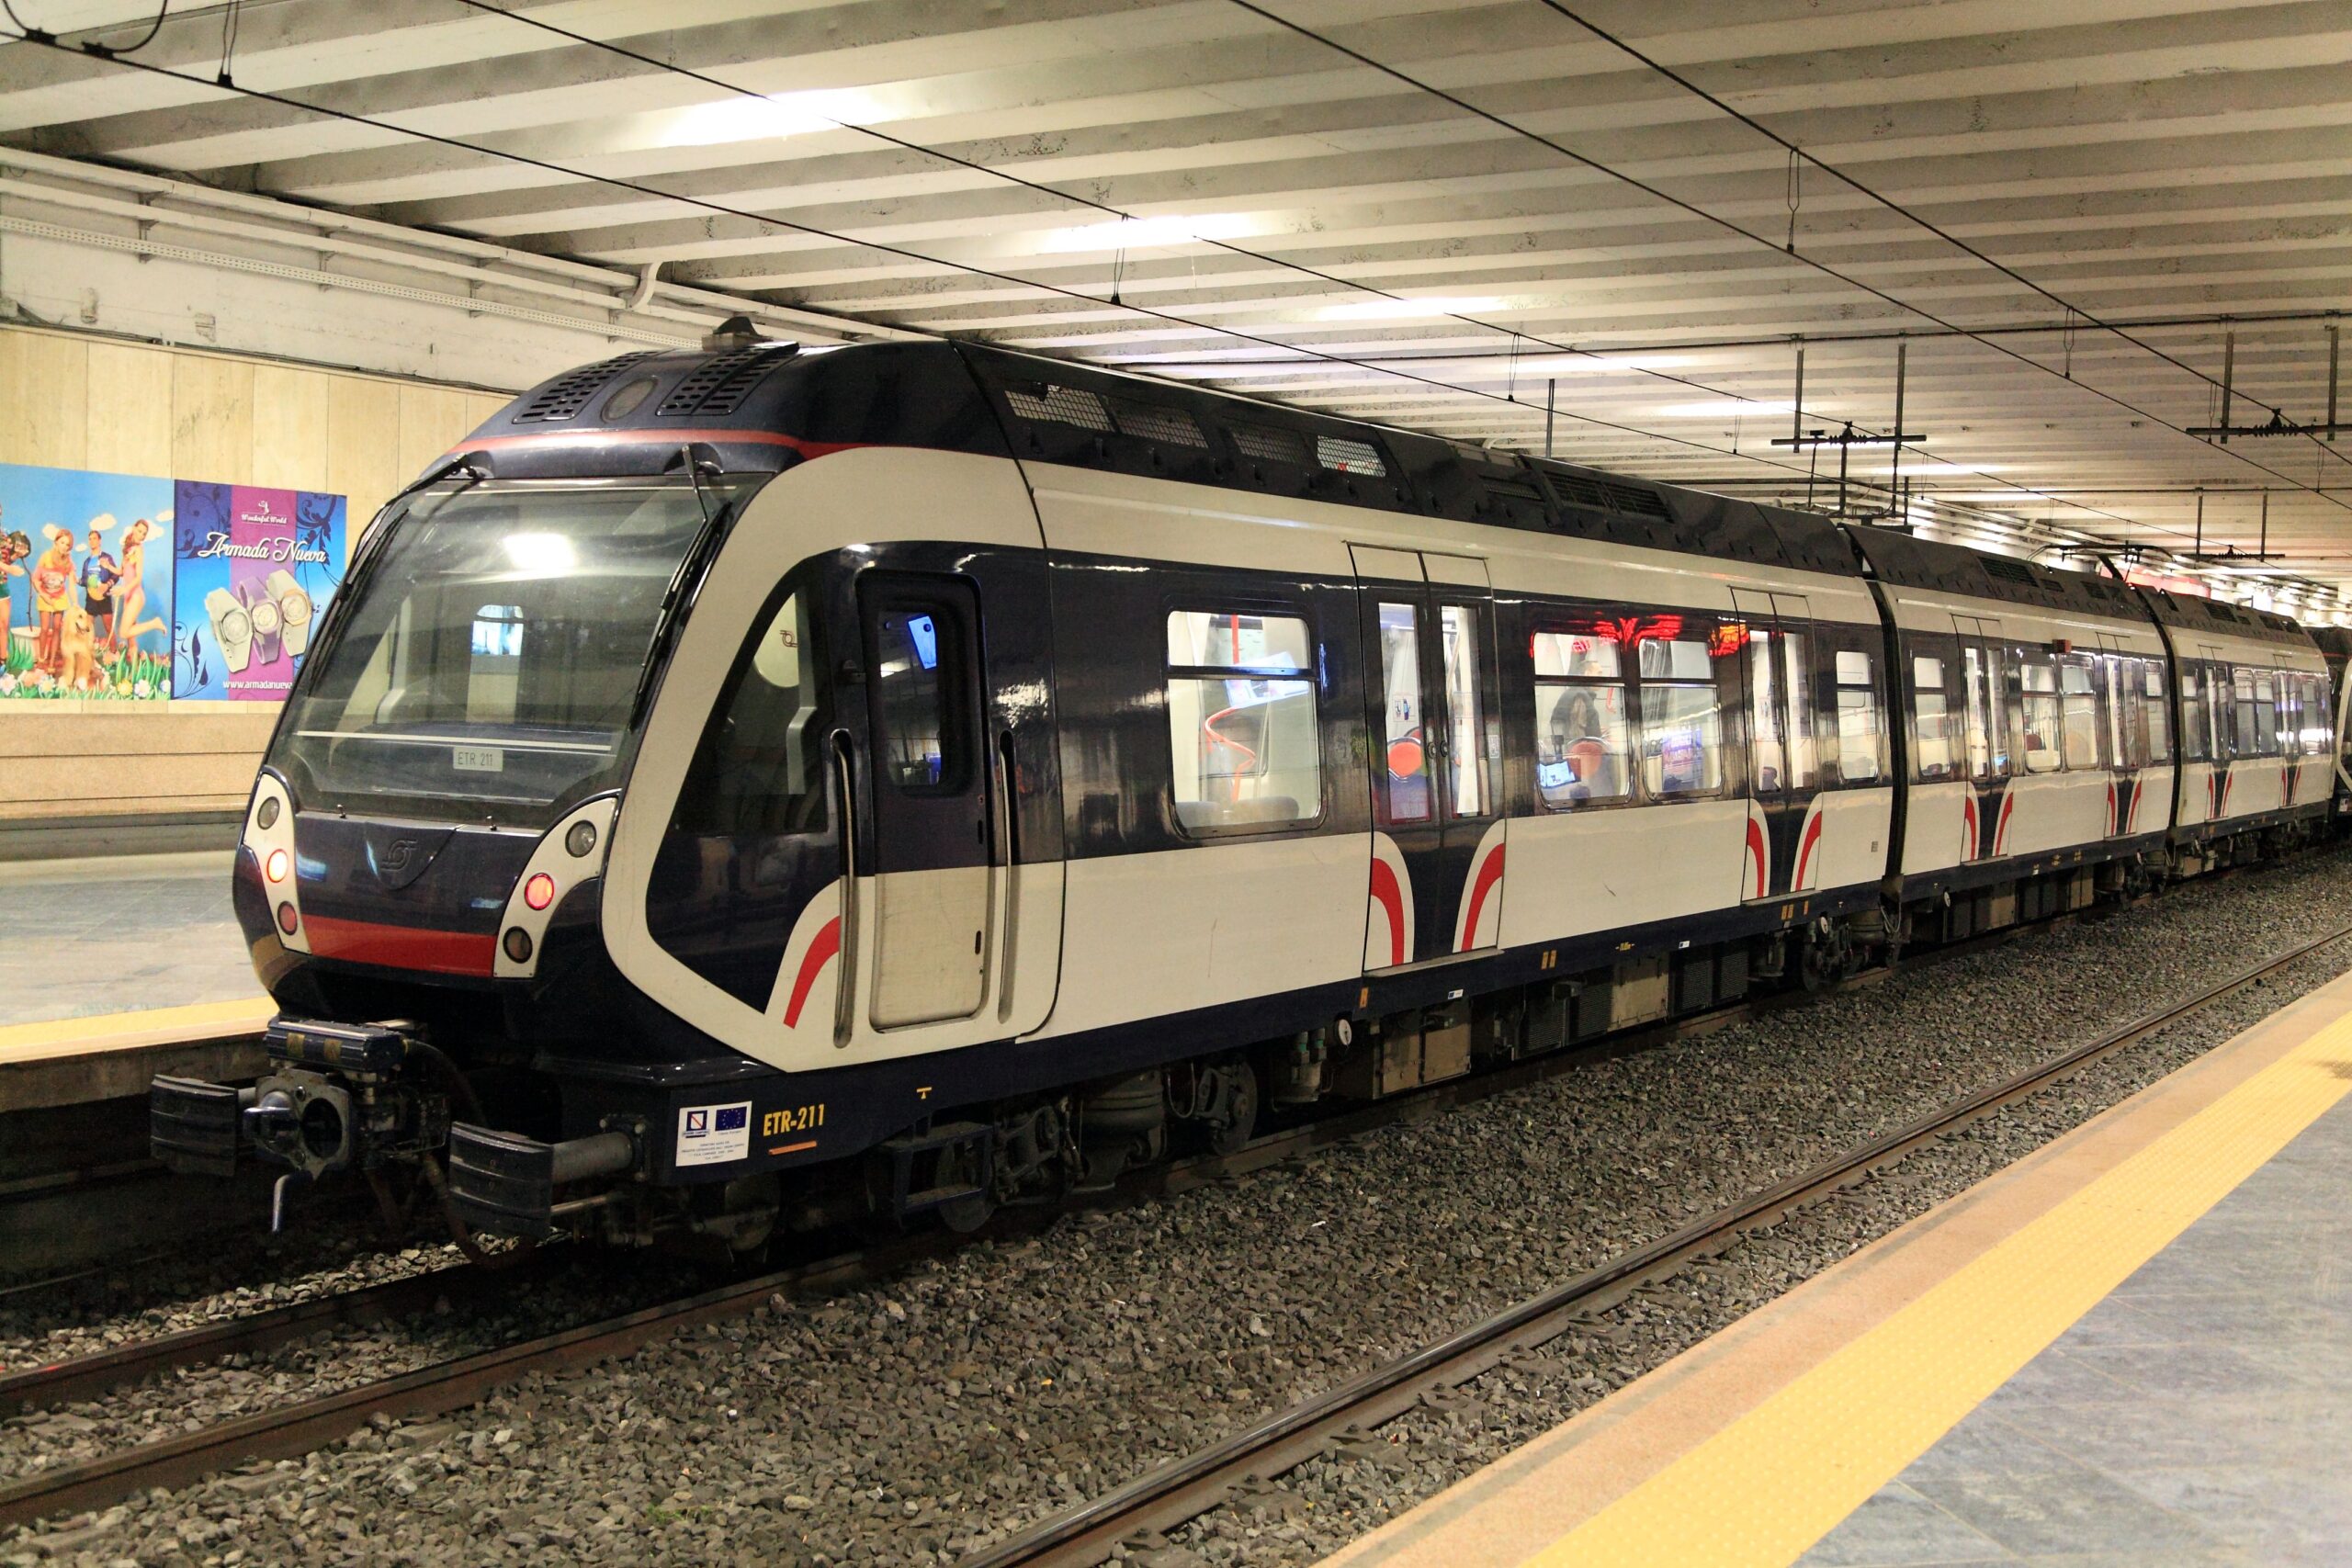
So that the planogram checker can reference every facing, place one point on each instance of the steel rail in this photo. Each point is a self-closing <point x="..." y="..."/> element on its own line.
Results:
<point x="1184" y="1489"/>
<point x="300" y="1428"/>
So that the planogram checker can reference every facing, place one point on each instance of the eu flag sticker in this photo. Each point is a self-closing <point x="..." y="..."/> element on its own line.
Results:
<point x="714" y="1135"/>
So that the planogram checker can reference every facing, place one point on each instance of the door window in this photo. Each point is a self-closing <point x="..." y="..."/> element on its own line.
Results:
<point x="1243" y="739"/>
<point x="1403" y="772"/>
<point x="1980" y="740"/>
<point x="918" y="690"/>
<point x="2039" y="685"/>
<point x="1765" y="706"/>
<point x="2153" y="714"/>
<point x="1795" y="650"/>
<point x="2196" y="732"/>
<point x="1465" y="751"/>
<point x="2078" y="712"/>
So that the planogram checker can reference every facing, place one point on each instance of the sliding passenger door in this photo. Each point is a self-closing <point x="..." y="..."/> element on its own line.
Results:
<point x="1437" y="857"/>
<point x="1784" y="780"/>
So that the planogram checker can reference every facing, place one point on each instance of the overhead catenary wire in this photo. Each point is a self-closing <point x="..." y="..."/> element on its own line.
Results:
<point x="1516" y="336"/>
<point x="1506" y="124"/>
<point x="1371" y="365"/>
<point x="1834" y="172"/>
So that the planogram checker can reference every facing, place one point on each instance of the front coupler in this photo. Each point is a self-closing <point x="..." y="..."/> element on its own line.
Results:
<point x="339" y="1097"/>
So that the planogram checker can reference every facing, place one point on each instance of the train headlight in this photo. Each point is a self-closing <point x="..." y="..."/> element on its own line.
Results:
<point x="570" y="855"/>
<point x="277" y="865"/>
<point x="287" y="919"/>
<point x="267" y="816"/>
<point x="518" y="945"/>
<point x="582" y="839"/>
<point x="540" y="892"/>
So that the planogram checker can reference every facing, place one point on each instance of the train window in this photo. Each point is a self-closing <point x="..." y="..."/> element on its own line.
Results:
<point x="1681" y="738"/>
<point x="1404" y="791"/>
<point x="1465" y="751"/>
<point x="1580" y="746"/>
<point x="1934" y="718"/>
<point x="2196" y="732"/>
<point x="2154" y="716"/>
<point x="759" y="769"/>
<point x="1243" y="736"/>
<point x="2318" y="729"/>
<point x="1860" y="747"/>
<point x="1675" y="659"/>
<point x="2038" y="685"/>
<point x="2078" y="712"/>
<point x="917" y="697"/>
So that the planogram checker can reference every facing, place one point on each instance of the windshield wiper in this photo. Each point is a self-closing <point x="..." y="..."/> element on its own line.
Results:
<point x="690" y="569"/>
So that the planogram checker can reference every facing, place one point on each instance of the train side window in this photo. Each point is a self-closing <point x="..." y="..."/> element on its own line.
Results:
<point x="2246" y="738"/>
<point x="760" y="768"/>
<point x="1460" y="633"/>
<point x="2318" y="727"/>
<point x="1934" y="718"/>
<point x="1860" y="748"/>
<point x="2196" y="732"/>
<point x="1580" y="748"/>
<point x="2039" y="687"/>
<point x="1244" y="741"/>
<point x="1682" y="719"/>
<point x="2154" y="718"/>
<point x="1766" y="706"/>
<point x="2286" y="713"/>
<point x="2078" y="712"/>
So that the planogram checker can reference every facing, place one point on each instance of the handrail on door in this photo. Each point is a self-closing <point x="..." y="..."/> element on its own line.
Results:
<point x="845" y="995"/>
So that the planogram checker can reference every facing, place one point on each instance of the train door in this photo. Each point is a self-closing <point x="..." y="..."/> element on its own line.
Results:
<point x="1437" y="840"/>
<point x="1985" y="732"/>
<point x="947" y="933"/>
<point x="1783" y="775"/>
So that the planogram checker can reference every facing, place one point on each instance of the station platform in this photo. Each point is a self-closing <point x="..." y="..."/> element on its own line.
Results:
<point x="117" y="969"/>
<point x="2132" y="1348"/>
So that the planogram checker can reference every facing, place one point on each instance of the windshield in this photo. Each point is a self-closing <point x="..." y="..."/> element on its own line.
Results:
<point x="485" y="669"/>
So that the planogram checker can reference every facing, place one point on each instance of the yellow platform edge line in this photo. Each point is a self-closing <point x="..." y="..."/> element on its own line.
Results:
<point x="1763" y="1490"/>
<point x="117" y="1030"/>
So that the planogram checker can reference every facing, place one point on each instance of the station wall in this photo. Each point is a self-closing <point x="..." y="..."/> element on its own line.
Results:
<point x="83" y="775"/>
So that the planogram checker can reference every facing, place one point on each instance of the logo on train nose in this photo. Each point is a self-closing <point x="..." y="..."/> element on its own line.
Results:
<point x="399" y="856"/>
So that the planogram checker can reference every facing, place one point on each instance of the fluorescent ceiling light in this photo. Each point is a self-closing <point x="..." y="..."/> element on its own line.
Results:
<point x="1144" y="233"/>
<point x="1726" y="408"/>
<point x="747" y="118"/>
<point x="1406" y="310"/>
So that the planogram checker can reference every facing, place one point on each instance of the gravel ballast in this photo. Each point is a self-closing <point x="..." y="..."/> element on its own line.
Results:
<point x="911" y="1422"/>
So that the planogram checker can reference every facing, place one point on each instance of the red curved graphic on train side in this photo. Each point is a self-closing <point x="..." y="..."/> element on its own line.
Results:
<point x="1391" y="898"/>
<point x="1490" y="872"/>
<point x="1968" y="816"/>
<point x="2001" y="827"/>
<point x="1804" y="851"/>
<point x="821" y="952"/>
<point x="1760" y="854"/>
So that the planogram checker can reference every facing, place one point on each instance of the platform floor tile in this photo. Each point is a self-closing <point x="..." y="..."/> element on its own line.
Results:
<point x="92" y="937"/>
<point x="2201" y="1414"/>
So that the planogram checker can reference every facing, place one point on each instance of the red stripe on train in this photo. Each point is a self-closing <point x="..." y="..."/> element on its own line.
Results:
<point x="1804" y="851"/>
<point x="1760" y="854"/>
<point x="401" y="947"/>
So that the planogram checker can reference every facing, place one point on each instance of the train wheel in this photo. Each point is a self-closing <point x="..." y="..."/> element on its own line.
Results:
<point x="1233" y="1132"/>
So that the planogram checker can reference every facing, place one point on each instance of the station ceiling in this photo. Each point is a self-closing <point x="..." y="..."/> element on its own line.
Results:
<point x="2055" y="217"/>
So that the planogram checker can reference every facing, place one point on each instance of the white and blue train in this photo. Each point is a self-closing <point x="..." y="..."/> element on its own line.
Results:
<point x="742" y="787"/>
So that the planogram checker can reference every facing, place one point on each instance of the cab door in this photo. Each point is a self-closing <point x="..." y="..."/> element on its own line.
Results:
<point x="1437" y="859"/>
<point x="951" y="939"/>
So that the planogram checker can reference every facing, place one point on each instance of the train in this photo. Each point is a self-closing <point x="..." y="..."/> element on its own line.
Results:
<point x="743" y="790"/>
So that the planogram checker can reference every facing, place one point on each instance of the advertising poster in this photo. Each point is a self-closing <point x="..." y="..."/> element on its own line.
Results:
<point x="255" y="569"/>
<point x="136" y="589"/>
<point x="86" y="563"/>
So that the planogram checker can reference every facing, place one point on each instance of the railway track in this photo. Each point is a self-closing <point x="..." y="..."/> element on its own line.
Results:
<point x="1163" y="1499"/>
<point x="1155" y="1502"/>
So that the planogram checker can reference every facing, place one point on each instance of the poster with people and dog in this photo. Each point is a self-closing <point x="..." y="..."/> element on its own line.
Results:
<point x="128" y="589"/>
